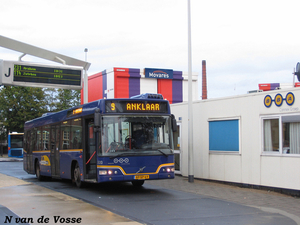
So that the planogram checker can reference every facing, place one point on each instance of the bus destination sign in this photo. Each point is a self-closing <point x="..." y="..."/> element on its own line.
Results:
<point x="52" y="75"/>
<point x="119" y="106"/>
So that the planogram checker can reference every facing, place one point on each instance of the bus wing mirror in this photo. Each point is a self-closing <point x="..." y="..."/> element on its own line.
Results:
<point x="97" y="120"/>
<point x="174" y="123"/>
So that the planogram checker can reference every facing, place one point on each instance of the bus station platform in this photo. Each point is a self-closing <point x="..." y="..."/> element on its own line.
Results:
<point x="23" y="202"/>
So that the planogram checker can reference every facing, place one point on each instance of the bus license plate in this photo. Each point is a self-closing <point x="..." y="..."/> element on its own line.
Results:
<point x="141" y="177"/>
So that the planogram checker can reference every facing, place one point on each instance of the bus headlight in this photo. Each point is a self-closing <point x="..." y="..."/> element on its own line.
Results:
<point x="102" y="172"/>
<point x="107" y="172"/>
<point x="168" y="169"/>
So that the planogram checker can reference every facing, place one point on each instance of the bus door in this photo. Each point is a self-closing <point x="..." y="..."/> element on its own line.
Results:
<point x="90" y="154"/>
<point x="177" y="148"/>
<point x="54" y="150"/>
<point x="29" y="147"/>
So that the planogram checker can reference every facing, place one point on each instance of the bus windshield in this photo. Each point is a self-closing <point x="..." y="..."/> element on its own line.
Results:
<point x="122" y="135"/>
<point x="16" y="141"/>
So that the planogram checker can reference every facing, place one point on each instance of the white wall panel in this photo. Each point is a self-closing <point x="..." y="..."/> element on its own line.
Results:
<point x="250" y="165"/>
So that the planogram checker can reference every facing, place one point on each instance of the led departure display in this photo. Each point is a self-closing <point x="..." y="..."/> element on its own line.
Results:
<point x="47" y="75"/>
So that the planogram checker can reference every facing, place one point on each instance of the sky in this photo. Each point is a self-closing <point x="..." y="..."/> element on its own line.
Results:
<point x="244" y="43"/>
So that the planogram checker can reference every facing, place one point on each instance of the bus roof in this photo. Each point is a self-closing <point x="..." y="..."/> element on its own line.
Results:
<point x="88" y="108"/>
<point x="83" y="110"/>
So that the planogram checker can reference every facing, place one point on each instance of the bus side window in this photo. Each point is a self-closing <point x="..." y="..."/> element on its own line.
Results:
<point x="32" y="140"/>
<point x="27" y="141"/>
<point x="65" y="132"/>
<point x="46" y="133"/>
<point x="38" y="139"/>
<point x="76" y="133"/>
<point x="99" y="142"/>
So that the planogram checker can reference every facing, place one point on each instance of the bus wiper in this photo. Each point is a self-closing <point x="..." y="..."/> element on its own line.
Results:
<point x="162" y="152"/>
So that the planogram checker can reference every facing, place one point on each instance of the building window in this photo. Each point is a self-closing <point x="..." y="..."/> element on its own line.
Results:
<point x="294" y="134"/>
<point x="281" y="135"/>
<point x="271" y="135"/>
<point x="224" y="135"/>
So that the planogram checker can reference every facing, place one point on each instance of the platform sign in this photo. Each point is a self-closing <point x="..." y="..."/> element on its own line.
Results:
<point x="17" y="73"/>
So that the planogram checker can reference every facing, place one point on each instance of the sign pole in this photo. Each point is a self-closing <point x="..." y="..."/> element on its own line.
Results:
<point x="85" y="83"/>
<point x="190" y="103"/>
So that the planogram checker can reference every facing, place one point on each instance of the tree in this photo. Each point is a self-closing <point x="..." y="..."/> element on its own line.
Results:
<point x="60" y="99"/>
<point x="51" y="98"/>
<point x="67" y="98"/>
<point x="20" y="104"/>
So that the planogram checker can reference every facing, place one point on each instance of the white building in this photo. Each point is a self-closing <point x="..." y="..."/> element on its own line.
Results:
<point x="249" y="139"/>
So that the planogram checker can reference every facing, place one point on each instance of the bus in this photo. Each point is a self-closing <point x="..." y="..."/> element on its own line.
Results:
<point x="15" y="144"/>
<point x="108" y="140"/>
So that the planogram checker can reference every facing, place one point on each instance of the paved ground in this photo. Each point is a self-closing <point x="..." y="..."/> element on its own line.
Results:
<point x="263" y="199"/>
<point x="34" y="204"/>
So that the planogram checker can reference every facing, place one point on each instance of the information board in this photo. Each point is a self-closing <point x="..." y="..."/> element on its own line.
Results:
<point x="39" y="75"/>
<point x="52" y="75"/>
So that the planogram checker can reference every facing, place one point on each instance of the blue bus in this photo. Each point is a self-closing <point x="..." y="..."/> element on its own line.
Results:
<point x="121" y="140"/>
<point x="15" y="144"/>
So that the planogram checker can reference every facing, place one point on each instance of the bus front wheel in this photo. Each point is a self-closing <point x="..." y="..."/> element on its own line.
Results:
<point x="137" y="183"/>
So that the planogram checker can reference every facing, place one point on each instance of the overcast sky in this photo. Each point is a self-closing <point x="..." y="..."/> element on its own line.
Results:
<point x="244" y="43"/>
